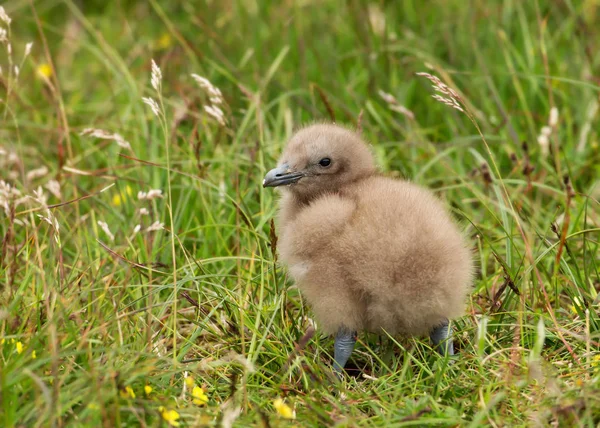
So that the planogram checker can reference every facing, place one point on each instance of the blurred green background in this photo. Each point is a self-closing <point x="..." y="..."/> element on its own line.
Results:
<point x="104" y="313"/>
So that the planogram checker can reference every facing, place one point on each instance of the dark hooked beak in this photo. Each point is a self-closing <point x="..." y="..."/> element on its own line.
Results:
<point x="281" y="176"/>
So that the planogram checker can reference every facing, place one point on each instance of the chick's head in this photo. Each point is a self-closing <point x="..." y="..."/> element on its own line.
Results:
<point x="321" y="159"/>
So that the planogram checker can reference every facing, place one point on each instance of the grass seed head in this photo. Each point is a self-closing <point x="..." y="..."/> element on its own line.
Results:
<point x="388" y="98"/>
<point x="4" y="16"/>
<point x="553" y="120"/>
<point x="216" y="113"/>
<point x="105" y="135"/>
<point x="152" y="104"/>
<point x="104" y="226"/>
<point x="449" y="96"/>
<point x="156" y="77"/>
<point x="394" y="105"/>
<point x="36" y="173"/>
<point x="216" y="97"/>
<point x="53" y="187"/>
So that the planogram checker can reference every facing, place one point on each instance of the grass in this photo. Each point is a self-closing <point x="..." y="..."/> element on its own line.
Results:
<point x="89" y="325"/>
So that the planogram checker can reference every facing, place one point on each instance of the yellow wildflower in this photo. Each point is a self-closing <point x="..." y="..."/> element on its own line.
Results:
<point x="93" y="406"/>
<point x="189" y="382"/>
<point x="33" y="355"/>
<point x="19" y="347"/>
<point x="127" y="392"/>
<point x="170" y="416"/>
<point x="199" y="397"/>
<point x="119" y="198"/>
<point x="283" y="409"/>
<point x="596" y="360"/>
<point x="44" y="70"/>
<point x="2" y="342"/>
<point x="576" y="304"/>
<point x="147" y="389"/>
<point x="164" y="41"/>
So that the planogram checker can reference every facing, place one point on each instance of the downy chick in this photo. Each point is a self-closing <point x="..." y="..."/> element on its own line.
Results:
<point x="367" y="252"/>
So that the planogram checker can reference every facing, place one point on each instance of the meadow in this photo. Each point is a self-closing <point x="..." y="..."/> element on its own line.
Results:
<point x="139" y="280"/>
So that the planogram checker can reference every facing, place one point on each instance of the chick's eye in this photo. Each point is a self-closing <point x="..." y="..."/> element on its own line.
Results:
<point x="325" y="162"/>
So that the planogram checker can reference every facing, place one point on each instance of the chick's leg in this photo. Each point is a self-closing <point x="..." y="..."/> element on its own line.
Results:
<point x="441" y="337"/>
<point x="343" y="346"/>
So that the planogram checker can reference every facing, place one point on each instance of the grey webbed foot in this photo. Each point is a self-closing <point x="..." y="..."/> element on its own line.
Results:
<point x="441" y="337"/>
<point x="343" y="346"/>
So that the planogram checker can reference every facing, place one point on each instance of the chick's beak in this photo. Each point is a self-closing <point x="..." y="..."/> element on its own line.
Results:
<point x="282" y="175"/>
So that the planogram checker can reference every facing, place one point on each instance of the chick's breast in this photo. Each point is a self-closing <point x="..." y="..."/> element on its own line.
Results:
<point x="383" y="254"/>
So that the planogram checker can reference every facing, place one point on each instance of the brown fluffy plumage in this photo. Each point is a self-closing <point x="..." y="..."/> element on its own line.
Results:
<point x="367" y="252"/>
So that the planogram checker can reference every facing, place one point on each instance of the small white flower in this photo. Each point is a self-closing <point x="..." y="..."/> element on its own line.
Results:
<point x="28" y="47"/>
<point x="144" y="211"/>
<point x="106" y="230"/>
<point x="3" y="35"/>
<point x="151" y="194"/>
<point x="137" y="228"/>
<point x="155" y="226"/>
<point x="152" y="104"/>
<point x="154" y="193"/>
<point x="17" y="71"/>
